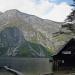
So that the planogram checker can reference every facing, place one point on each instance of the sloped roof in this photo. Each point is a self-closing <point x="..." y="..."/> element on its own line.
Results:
<point x="70" y="41"/>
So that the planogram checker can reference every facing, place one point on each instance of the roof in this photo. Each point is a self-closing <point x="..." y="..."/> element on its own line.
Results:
<point x="72" y="40"/>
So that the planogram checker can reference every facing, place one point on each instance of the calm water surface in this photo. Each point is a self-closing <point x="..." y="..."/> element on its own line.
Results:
<point x="5" y="73"/>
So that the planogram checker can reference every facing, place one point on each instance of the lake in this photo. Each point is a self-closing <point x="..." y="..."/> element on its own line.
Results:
<point x="28" y="66"/>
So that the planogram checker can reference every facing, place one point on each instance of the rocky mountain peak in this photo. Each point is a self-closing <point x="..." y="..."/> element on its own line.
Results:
<point x="37" y="32"/>
<point x="12" y="11"/>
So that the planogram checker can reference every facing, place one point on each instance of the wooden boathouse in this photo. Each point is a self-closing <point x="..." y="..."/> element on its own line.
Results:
<point x="65" y="58"/>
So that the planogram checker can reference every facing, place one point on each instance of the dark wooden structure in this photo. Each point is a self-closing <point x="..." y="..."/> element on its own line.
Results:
<point x="65" y="58"/>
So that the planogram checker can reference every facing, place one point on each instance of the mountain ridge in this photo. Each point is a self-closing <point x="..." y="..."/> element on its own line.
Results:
<point x="34" y="30"/>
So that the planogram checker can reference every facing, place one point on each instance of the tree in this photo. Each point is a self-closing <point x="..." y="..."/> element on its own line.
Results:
<point x="71" y="17"/>
<point x="69" y="26"/>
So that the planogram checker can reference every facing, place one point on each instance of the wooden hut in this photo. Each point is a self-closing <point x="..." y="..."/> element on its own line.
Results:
<point x="65" y="58"/>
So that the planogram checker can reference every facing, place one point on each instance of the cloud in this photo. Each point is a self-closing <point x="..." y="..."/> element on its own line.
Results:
<point x="59" y="12"/>
<point x="41" y="8"/>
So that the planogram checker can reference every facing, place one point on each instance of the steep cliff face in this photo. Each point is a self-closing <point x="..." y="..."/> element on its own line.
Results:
<point x="10" y="39"/>
<point x="13" y="43"/>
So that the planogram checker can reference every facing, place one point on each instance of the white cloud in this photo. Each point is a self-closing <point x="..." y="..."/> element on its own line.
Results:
<point x="43" y="9"/>
<point x="59" y="12"/>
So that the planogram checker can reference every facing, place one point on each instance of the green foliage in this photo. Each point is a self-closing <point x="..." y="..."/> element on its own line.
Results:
<point x="51" y="49"/>
<point x="29" y="49"/>
<point x="23" y="52"/>
<point x="60" y="37"/>
<point x="3" y="50"/>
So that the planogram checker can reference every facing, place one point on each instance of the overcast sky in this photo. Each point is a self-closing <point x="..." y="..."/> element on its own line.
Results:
<point x="55" y="10"/>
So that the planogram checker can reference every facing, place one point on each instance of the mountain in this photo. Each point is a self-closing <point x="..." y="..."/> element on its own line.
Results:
<point x="65" y="33"/>
<point x="26" y="35"/>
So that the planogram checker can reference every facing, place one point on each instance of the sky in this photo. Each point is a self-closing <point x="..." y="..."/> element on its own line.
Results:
<point x="56" y="10"/>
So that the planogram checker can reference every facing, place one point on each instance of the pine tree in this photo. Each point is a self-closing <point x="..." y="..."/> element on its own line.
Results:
<point x="70" y="21"/>
<point x="68" y="27"/>
<point x="71" y="17"/>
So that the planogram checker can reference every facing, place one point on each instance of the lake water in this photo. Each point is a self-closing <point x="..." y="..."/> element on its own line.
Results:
<point x="28" y="66"/>
<point x="4" y="72"/>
